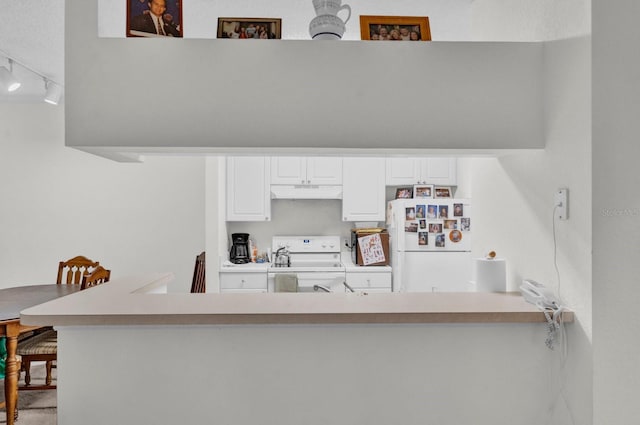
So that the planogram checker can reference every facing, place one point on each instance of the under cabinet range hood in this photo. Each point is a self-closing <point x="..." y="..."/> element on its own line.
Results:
<point x="306" y="191"/>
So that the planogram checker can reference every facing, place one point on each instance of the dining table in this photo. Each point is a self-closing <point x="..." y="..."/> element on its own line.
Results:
<point x="12" y="301"/>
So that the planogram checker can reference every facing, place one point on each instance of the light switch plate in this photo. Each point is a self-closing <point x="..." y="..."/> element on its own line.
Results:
<point x="561" y="204"/>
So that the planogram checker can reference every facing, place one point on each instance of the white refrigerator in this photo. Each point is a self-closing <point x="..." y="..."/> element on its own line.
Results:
<point x="430" y="244"/>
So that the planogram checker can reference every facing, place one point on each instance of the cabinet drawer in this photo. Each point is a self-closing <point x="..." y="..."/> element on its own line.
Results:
<point x="369" y="280"/>
<point x="242" y="291"/>
<point x="243" y="281"/>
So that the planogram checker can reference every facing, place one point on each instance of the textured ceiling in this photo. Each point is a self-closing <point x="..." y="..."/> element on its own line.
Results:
<point x="32" y="33"/>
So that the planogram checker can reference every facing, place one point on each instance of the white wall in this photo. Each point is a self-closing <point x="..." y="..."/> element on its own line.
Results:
<point x="449" y="19"/>
<point x="57" y="202"/>
<point x="522" y="228"/>
<point x="616" y="212"/>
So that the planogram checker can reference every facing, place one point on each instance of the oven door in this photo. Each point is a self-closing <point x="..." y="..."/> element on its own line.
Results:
<point x="307" y="280"/>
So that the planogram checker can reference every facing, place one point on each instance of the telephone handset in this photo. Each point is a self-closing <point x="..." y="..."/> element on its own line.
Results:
<point x="538" y="295"/>
<point x="543" y="298"/>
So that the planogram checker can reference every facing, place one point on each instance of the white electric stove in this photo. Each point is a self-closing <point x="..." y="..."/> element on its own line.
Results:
<point x="315" y="260"/>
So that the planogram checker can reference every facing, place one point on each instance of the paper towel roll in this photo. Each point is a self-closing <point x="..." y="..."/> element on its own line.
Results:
<point x="490" y="275"/>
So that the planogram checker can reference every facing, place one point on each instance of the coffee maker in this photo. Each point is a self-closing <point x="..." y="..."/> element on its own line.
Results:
<point x="239" y="253"/>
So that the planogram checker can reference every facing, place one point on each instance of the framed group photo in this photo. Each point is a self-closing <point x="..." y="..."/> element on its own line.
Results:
<point x="154" y="18"/>
<point x="395" y="28"/>
<point x="250" y="28"/>
<point x="442" y="192"/>
<point x="404" y="193"/>
<point x="423" y="191"/>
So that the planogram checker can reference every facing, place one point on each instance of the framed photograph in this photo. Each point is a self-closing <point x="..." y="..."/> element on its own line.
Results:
<point x="432" y="211"/>
<point x="420" y="211"/>
<point x="458" y="210"/>
<point x="451" y="224"/>
<point x="395" y="28"/>
<point x="154" y="18"/>
<point x="435" y="227"/>
<point x="404" y="193"/>
<point x="423" y="191"/>
<point x="443" y="211"/>
<point x="411" y="227"/>
<point x="423" y="238"/>
<point x="250" y="28"/>
<point x="410" y="213"/>
<point x="442" y="192"/>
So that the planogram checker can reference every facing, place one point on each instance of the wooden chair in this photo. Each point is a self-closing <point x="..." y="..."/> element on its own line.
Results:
<point x="96" y="277"/>
<point x="43" y="346"/>
<point x="199" y="283"/>
<point x="75" y="269"/>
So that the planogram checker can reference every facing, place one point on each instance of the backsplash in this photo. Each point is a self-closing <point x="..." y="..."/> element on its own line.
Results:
<point x="296" y="217"/>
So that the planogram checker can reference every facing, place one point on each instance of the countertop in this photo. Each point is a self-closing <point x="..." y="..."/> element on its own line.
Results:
<point x="229" y="267"/>
<point x="350" y="267"/>
<point x="126" y="301"/>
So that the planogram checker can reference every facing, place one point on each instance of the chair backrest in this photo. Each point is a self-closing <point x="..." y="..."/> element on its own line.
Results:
<point x="75" y="268"/>
<point x="199" y="284"/>
<point x="96" y="277"/>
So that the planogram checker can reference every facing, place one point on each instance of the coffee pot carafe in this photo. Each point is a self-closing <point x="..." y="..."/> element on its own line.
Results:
<point x="239" y="253"/>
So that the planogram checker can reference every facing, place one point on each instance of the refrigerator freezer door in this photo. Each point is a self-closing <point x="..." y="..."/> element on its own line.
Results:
<point x="435" y="272"/>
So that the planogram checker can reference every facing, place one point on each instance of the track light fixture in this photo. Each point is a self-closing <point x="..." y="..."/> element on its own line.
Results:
<point x="7" y="79"/>
<point x="53" y="90"/>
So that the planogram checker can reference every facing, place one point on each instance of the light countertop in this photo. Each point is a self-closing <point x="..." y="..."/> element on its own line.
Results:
<point x="126" y="301"/>
<point x="229" y="267"/>
<point x="350" y="267"/>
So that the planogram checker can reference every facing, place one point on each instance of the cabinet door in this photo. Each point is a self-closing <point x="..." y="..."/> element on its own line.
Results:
<point x="324" y="170"/>
<point x="288" y="170"/>
<point x="440" y="171"/>
<point x="363" y="189"/>
<point x="248" y="192"/>
<point x="401" y="171"/>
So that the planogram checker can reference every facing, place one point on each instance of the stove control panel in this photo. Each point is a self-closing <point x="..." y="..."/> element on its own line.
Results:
<point x="296" y="244"/>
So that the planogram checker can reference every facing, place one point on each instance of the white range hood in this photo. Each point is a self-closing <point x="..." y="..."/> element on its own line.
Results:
<point x="306" y="192"/>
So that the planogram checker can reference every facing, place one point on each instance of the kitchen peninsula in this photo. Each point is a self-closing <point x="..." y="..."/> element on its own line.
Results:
<point x="292" y="358"/>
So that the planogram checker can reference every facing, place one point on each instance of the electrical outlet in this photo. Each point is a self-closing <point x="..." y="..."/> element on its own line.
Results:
<point x="561" y="205"/>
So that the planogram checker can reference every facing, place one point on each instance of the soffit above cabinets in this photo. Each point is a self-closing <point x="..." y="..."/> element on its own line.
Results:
<point x="316" y="96"/>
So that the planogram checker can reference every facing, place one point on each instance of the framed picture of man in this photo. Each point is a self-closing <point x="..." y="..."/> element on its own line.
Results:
<point x="154" y="18"/>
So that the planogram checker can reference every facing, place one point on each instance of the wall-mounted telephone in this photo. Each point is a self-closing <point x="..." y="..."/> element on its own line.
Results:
<point x="543" y="298"/>
<point x="538" y="295"/>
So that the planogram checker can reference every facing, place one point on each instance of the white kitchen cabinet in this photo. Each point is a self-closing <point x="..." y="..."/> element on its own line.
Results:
<point x="243" y="282"/>
<point x="369" y="281"/>
<point x="302" y="171"/>
<point x="363" y="189"/>
<point x="409" y="171"/>
<point x="247" y="190"/>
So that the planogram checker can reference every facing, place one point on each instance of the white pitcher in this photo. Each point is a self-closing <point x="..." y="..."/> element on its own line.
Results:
<point x="331" y="7"/>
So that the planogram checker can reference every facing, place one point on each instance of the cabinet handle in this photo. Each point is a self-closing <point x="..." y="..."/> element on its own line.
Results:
<point x="301" y="181"/>
<point x="308" y="181"/>
<point x="368" y="282"/>
<point x="242" y="282"/>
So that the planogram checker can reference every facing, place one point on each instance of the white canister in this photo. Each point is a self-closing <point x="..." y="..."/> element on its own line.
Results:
<point x="490" y="274"/>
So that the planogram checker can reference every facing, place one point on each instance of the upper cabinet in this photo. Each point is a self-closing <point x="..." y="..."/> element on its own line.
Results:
<point x="248" y="196"/>
<point x="363" y="189"/>
<point x="306" y="171"/>
<point x="438" y="171"/>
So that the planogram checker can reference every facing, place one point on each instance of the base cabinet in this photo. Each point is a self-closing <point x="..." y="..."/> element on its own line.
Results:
<point x="243" y="282"/>
<point x="369" y="281"/>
